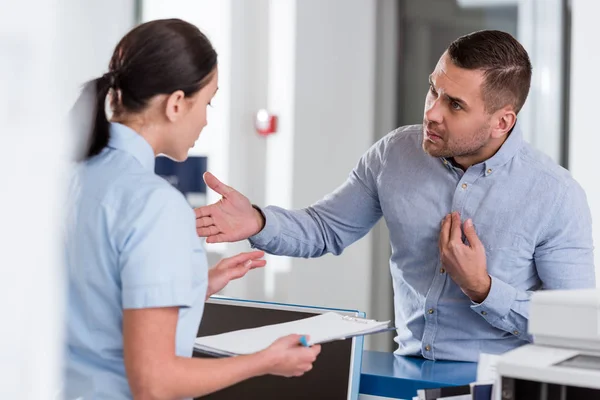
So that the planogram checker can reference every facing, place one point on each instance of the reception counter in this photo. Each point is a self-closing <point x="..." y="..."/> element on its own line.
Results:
<point x="385" y="375"/>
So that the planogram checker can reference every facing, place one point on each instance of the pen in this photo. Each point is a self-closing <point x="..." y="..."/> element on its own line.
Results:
<point x="303" y="341"/>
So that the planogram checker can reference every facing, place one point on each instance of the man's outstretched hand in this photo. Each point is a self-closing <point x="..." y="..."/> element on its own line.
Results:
<point x="230" y="219"/>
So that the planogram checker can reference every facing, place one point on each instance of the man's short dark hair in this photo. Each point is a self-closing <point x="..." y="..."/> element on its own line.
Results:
<point x="504" y="62"/>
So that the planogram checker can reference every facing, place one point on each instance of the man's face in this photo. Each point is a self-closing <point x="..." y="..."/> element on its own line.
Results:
<point x="455" y="123"/>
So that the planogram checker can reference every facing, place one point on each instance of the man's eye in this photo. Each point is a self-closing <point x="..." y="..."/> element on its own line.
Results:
<point x="455" y="106"/>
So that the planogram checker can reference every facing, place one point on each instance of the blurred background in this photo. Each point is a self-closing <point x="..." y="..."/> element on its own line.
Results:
<point x="337" y="74"/>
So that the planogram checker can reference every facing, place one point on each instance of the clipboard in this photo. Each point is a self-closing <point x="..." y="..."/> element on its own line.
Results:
<point x="388" y="329"/>
<point x="322" y="328"/>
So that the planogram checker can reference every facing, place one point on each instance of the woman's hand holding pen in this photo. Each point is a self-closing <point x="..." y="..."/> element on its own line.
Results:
<point x="232" y="268"/>
<point x="290" y="356"/>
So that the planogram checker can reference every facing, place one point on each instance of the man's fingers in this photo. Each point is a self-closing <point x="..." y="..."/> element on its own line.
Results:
<point x="218" y="238"/>
<point x="204" y="211"/>
<point x="204" y="222"/>
<point x="444" y="232"/>
<point x="471" y="234"/>
<point x="455" y="230"/>
<point x="216" y="185"/>
<point x="207" y="232"/>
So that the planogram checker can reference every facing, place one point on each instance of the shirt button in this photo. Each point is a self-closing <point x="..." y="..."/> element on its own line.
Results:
<point x="515" y="333"/>
<point x="464" y="185"/>
<point x="430" y="311"/>
<point x="428" y="348"/>
<point x="442" y="271"/>
<point x="483" y="313"/>
<point x="489" y="171"/>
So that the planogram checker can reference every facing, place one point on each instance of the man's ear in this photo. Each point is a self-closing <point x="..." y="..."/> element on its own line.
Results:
<point x="175" y="106"/>
<point x="504" y="120"/>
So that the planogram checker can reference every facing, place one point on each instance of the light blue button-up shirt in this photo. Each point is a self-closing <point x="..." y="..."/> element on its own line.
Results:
<point x="131" y="243"/>
<point x="530" y="214"/>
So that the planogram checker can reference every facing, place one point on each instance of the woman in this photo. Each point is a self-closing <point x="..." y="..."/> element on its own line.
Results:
<point x="137" y="272"/>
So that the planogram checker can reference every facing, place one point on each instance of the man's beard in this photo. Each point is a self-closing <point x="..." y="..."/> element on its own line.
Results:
<point x="444" y="149"/>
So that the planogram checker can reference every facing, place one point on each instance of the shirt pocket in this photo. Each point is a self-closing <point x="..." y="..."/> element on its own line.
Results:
<point x="496" y="239"/>
<point x="504" y="252"/>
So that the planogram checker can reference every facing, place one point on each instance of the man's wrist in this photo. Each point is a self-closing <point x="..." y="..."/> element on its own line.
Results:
<point x="479" y="294"/>
<point x="260" y="218"/>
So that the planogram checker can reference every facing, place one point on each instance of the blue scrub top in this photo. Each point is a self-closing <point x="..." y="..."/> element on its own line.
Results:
<point x="131" y="243"/>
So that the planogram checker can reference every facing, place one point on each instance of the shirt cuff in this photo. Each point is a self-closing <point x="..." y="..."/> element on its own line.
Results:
<point x="498" y="302"/>
<point x="269" y="232"/>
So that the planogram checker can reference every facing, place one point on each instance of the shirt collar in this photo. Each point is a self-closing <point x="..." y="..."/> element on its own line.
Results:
<point x="507" y="151"/>
<point x="126" y="139"/>
<point x="509" y="148"/>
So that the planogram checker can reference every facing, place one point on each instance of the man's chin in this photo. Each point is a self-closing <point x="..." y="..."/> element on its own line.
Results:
<point x="431" y="149"/>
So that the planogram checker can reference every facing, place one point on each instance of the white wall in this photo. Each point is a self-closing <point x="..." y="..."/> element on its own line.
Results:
<point x="584" y="136"/>
<point x="247" y="151"/>
<point x="31" y="290"/>
<point x="281" y="93"/>
<point x="48" y="47"/>
<point x="333" y="125"/>
<point x="91" y="30"/>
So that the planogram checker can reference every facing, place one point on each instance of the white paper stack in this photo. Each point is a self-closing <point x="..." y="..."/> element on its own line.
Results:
<point x="320" y="329"/>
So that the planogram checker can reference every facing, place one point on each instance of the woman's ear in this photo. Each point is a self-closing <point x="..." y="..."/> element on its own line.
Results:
<point x="175" y="106"/>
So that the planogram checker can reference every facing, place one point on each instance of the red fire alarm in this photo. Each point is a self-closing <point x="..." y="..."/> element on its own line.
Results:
<point x="265" y="123"/>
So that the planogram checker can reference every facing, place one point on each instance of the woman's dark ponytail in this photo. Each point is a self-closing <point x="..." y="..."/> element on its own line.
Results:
<point x="100" y="129"/>
<point x="87" y="118"/>
<point x="100" y="133"/>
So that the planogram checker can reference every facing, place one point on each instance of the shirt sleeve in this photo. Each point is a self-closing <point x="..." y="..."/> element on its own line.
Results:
<point x="333" y="223"/>
<point x="160" y="252"/>
<point x="563" y="259"/>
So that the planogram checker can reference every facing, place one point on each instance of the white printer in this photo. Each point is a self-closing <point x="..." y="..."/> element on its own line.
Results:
<point x="564" y="361"/>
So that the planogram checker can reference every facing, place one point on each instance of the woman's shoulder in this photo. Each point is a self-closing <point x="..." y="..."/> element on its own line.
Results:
<point x="122" y="184"/>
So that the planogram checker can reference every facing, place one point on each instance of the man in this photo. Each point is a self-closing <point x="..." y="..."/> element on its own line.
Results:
<point x="478" y="219"/>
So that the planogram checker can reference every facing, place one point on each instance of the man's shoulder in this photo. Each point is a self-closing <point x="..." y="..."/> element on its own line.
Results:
<point x="406" y="133"/>
<point x="408" y="136"/>
<point x="543" y="167"/>
<point x="543" y="164"/>
<point x="403" y="139"/>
